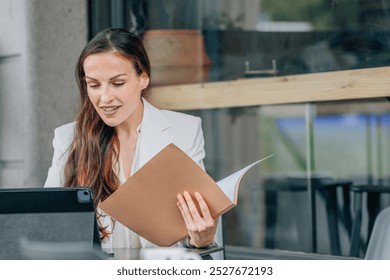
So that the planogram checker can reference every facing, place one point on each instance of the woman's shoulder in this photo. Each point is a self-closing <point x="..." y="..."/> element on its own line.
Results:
<point x="181" y="118"/>
<point x="64" y="134"/>
<point x="66" y="130"/>
<point x="173" y="117"/>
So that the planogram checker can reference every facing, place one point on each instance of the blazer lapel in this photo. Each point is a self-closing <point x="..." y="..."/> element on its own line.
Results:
<point x="154" y="133"/>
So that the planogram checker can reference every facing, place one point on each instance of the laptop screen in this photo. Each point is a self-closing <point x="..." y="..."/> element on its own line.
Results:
<point x="51" y="215"/>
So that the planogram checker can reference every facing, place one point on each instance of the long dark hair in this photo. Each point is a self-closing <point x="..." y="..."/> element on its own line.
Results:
<point x="94" y="152"/>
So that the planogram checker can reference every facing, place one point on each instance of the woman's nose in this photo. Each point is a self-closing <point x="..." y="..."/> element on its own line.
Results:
<point x="106" y="96"/>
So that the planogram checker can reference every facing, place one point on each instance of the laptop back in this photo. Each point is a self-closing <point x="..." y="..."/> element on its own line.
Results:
<point x="50" y="215"/>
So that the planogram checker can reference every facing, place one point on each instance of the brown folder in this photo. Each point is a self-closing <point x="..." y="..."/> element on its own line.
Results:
<point x="146" y="202"/>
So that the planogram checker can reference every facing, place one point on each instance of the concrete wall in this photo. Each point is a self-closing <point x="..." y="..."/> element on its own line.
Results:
<point x="40" y="41"/>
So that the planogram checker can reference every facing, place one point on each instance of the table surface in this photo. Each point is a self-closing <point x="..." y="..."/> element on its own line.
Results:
<point x="135" y="253"/>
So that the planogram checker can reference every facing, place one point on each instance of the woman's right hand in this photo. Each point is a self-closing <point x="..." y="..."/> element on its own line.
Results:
<point x="201" y="226"/>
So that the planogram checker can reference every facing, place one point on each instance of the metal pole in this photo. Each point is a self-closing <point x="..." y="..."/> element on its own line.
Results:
<point x="310" y="167"/>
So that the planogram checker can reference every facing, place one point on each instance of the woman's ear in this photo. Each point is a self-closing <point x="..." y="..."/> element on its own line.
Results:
<point x="144" y="80"/>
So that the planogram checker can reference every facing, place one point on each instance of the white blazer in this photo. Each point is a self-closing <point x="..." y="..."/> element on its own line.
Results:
<point x="158" y="129"/>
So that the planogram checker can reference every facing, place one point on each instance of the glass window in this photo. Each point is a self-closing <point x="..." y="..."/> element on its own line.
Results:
<point x="328" y="156"/>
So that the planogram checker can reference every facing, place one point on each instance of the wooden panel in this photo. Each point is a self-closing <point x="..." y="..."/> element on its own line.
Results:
<point x="327" y="86"/>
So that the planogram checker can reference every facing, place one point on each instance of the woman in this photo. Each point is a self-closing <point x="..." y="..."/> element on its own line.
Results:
<point x="117" y="131"/>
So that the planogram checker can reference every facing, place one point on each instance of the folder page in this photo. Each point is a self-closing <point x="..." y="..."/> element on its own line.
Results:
<point x="230" y="184"/>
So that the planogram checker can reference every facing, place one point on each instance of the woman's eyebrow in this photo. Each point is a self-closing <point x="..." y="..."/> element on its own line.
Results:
<point x="86" y="77"/>
<point x="116" y="76"/>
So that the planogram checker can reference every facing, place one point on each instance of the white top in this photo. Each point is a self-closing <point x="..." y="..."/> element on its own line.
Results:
<point x="121" y="236"/>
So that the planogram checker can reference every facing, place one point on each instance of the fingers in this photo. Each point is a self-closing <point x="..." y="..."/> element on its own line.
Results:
<point x="189" y="206"/>
<point x="192" y="207"/>
<point x="190" y="212"/>
<point x="185" y="212"/>
<point x="203" y="207"/>
<point x="186" y="221"/>
<point x="200" y="225"/>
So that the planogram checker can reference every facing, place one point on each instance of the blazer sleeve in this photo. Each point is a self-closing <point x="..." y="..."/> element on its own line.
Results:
<point x="63" y="136"/>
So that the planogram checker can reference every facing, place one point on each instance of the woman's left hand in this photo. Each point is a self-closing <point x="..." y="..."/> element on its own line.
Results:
<point x="201" y="226"/>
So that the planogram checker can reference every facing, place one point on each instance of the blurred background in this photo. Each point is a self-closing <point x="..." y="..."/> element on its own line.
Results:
<point x="330" y="174"/>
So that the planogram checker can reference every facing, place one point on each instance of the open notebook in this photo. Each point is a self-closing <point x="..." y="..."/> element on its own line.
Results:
<point x="146" y="202"/>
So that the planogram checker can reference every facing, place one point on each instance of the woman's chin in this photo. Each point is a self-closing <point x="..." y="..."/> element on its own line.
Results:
<point x="110" y="123"/>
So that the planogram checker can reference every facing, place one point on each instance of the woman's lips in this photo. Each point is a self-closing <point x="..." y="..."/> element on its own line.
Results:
<point x="109" y="109"/>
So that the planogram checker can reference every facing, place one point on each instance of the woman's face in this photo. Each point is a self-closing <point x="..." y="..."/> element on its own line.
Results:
<point x="113" y="86"/>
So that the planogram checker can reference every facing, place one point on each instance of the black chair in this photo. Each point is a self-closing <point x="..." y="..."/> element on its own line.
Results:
<point x="327" y="187"/>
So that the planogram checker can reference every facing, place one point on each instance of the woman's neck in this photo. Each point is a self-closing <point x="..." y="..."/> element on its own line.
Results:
<point x="128" y="129"/>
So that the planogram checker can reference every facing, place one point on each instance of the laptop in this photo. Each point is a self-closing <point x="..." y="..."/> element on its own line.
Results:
<point x="48" y="223"/>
